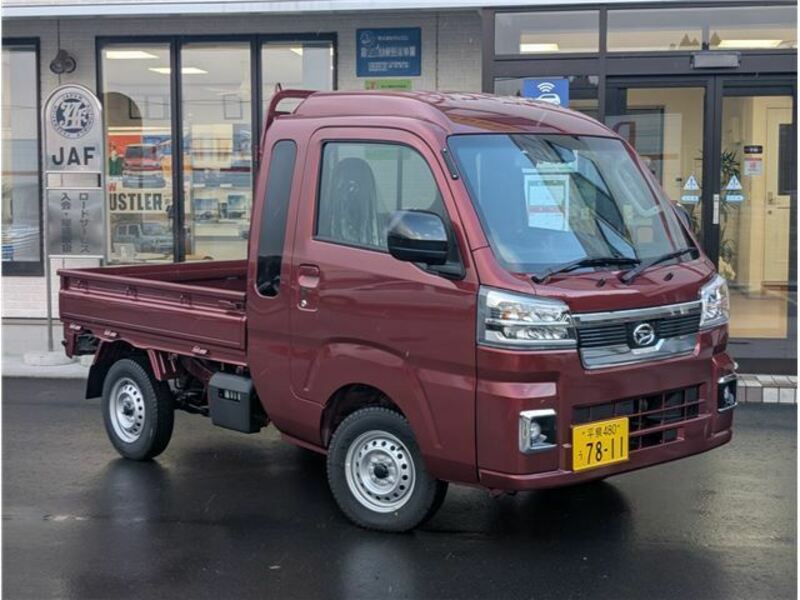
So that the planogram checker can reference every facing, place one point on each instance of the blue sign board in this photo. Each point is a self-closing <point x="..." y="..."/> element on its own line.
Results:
<point x="554" y="90"/>
<point x="393" y="52"/>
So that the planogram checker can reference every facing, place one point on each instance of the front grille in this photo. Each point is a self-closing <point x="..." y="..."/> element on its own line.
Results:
<point x="650" y="418"/>
<point x="675" y="326"/>
<point x="603" y="335"/>
<point x="616" y="334"/>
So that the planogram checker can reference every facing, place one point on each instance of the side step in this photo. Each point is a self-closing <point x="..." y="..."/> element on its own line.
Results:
<point x="233" y="403"/>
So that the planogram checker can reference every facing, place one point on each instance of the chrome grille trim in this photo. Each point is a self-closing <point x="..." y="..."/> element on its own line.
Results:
<point x="638" y="314"/>
<point x="603" y="337"/>
<point x="622" y="354"/>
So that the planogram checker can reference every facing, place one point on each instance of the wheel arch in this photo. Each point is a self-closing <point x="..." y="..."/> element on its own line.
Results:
<point x="110" y="352"/>
<point x="348" y="399"/>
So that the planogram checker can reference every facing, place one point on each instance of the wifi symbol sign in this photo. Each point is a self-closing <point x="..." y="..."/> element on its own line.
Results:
<point x="553" y="90"/>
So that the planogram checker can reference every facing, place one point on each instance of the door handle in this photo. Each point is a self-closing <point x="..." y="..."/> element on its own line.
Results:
<point x="715" y="214"/>
<point x="308" y="276"/>
<point x="308" y="283"/>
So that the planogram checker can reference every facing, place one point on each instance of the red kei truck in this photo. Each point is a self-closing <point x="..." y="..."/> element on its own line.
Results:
<point x="439" y="288"/>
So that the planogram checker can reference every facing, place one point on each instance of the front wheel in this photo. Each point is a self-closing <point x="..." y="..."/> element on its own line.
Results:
<point x="377" y="475"/>
<point x="137" y="410"/>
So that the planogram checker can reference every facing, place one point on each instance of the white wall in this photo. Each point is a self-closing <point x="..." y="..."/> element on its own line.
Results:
<point x="451" y="60"/>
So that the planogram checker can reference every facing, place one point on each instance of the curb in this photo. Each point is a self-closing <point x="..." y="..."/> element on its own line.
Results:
<point x="15" y="366"/>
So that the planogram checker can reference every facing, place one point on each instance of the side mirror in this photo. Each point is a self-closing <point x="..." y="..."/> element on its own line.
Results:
<point x="418" y="236"/>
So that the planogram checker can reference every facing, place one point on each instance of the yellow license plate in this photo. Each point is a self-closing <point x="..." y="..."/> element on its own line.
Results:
<point x="600" y="443"/>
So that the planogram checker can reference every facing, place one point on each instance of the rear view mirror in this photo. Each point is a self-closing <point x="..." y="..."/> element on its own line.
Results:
<point x="418" y="236"/>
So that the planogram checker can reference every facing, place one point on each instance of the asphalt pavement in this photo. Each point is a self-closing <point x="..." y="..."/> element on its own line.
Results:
<point x="227" y="515"/>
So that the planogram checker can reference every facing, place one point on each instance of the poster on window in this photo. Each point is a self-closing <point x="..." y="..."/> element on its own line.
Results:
<point x="139" y="196"/>
<point x="547" y="200"/>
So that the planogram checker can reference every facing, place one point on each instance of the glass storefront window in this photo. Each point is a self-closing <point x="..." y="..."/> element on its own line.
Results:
<point x="136" y="95"/>
<point x="215" y="120"/>
<point x="547" y="32"/>
<point x="217" y="128"/>
<point x="304" y="65"/>
<point x="691" y="29"/>
<point x="582" y="91"/>
<point x="753" y="28"/>
<point x="21" y="234"/>
<point x="649" y="30"/>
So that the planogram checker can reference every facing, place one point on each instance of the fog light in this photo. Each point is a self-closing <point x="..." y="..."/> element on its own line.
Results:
<point x="537" y="430"/>
<point x="726" y="392"/>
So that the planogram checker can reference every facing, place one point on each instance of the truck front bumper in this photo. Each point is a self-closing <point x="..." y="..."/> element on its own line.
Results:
<point x="512" y="382"/>
<point x="696" y="439"/>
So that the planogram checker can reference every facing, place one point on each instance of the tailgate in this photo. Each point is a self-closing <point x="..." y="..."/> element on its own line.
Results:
<point x="148" y="311"/>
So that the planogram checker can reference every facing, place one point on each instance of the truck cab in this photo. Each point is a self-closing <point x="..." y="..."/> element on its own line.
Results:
<point x="439" y="288"/>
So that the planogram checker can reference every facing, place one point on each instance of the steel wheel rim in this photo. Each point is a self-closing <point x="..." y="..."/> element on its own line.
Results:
<point x="380" y="471"/>
<point x="127" y="410"/>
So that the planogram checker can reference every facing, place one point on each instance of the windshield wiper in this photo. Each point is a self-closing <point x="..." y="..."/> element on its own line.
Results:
<point x="629" y="276"/>
<point x="586" y="261"/>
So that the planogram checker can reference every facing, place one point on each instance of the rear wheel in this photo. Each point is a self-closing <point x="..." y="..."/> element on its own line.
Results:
<point x="138" y="410"/>
<point x="377" y="475"/>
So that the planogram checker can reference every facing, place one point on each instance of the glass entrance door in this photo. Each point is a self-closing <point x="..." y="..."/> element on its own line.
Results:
<point x="757" y="210"/>
<point x="724" y="149"/>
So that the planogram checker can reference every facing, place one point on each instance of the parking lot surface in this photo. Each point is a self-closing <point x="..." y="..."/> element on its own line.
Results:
<point x="226" y="515"/>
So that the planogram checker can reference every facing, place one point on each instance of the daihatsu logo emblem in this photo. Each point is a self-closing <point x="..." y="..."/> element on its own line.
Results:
<point x="644" y="334"/>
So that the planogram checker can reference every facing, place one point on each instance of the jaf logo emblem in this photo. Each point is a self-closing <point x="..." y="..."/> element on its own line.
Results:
<point x="643" y="334"/>
<point x="72" y="115"/>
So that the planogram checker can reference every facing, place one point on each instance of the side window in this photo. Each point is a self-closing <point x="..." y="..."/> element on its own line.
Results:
<point x="273" y="217"/>
<point x="362" y="184"/>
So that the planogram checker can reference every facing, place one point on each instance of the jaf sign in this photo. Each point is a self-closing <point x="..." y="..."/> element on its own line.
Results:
<point x="392" y="52"/>
<point x="554" y="90"/>
<point x="74" y="164"/>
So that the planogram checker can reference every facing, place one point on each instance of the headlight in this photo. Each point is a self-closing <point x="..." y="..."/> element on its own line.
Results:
<point x="511" y="320"/>
<point x="716" y="303"/>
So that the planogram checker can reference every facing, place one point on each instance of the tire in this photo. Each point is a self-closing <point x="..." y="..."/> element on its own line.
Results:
<point x="377" y="475"/>
<point x="138" y="411"/>
<point x="438" y="500"/>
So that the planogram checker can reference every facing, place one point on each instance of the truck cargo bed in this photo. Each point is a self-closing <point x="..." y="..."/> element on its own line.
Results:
<point x="195" y="309"/>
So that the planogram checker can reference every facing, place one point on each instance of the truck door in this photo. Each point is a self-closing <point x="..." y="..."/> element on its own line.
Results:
<point x="361" y="317"/>
<point x="269" y="297"/>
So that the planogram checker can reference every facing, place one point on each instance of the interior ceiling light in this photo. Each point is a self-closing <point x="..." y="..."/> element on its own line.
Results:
<point x="749" y="43"/>
<point x="298" y="51"/>
<point x="527" y="47"/>
<point x="184" y="70"/>
<point x="129" y="55"/>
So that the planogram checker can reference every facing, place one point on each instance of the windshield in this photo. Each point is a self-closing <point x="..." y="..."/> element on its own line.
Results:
<point x="153" y="229"/>
<point x="545" y="200"/>
<point x="150" y="152"/>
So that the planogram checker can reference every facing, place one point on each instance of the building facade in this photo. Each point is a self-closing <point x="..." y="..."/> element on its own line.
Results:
<point x="705" y="91"/>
